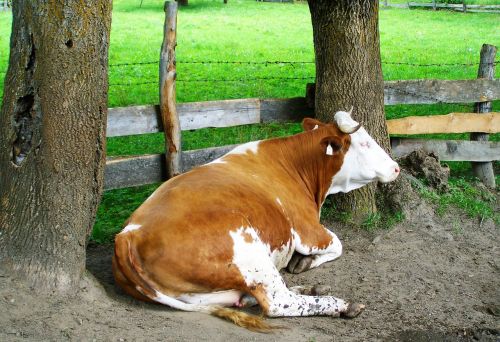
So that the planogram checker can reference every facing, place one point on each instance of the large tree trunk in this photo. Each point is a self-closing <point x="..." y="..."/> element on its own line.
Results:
<point x="52" y="138"/>
<point x="349" y="73"/>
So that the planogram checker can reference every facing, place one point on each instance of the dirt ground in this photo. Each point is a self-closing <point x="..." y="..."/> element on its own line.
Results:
<point x="429" y="278"/>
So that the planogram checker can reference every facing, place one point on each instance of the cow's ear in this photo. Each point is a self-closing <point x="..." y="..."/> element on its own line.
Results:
<point x="309" y="124"/>
<point x="331" y="145"/>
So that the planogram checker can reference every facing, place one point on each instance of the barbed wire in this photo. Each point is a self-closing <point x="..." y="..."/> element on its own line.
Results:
<point x="132" y="84"/>
<point x="304" y="62"/>
<point x="219" y="80"/>
<point x="132" y="63"/>
<point x="441" y="64"/>
<point x="291" y="63"/>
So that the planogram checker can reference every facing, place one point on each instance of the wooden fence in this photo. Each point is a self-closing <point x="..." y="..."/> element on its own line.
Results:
<point x="5" y="5"/>
<point x="463" y="7"/>
<point x="130" y="171"/>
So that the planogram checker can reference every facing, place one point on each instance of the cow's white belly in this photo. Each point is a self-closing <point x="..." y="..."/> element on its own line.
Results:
<point x="224" y="298"/>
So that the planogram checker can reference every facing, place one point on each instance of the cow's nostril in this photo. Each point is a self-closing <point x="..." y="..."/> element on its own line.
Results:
<point x="397" y="170"/>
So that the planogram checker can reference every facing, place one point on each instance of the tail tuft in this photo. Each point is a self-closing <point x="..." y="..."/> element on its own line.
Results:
<point x="242" y="319"/>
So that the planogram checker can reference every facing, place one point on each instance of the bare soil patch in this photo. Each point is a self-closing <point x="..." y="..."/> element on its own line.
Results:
<point x="430" y="278"/>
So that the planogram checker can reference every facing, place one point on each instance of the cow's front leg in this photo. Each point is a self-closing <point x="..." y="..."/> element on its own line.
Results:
<point x="311" y="253"/>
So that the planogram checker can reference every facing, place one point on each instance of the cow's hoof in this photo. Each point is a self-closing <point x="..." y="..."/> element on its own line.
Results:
<point x="299" y="263"/>
<point x="246" y="301"/>
<point x="353" y="310"/>
<point x="321" y="290"/>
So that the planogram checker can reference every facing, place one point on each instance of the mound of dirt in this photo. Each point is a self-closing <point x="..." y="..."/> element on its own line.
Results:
<point x="426" y="165"/>
<point x="430" y="278"/>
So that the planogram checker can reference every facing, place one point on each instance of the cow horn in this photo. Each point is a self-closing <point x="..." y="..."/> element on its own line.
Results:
<point x="345" y="123"/>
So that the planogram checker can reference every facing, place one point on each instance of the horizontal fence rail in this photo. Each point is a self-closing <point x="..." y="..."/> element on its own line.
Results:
<point x="122" y="172"/>
<point x="140" y="170"/>
<point x="457" y="7"/>
<point x="449" y="150"/>
<point x="449" y="123"/>
<point x="195" y="115"/>
<point x="440" y="91"/>
<point x="146" y="119"/>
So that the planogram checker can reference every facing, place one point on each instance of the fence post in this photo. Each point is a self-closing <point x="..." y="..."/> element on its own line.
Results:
<point x="484" y="170"/>
<point x="168" y="110"/>
<point x="434" y="5"/>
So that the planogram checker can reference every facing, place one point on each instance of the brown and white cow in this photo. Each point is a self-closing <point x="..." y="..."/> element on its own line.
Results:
<point x="207" y="239"/>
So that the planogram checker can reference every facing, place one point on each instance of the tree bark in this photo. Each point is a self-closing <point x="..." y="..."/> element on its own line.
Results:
<point x="52" y="138"/>
<point x="349" y="73"/>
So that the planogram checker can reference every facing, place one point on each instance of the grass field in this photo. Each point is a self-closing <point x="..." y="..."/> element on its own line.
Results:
<point x="248" y="31"/>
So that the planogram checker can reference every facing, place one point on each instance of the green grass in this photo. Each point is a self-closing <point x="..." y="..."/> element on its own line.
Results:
<point x="253" y="31"/>
<point x="474" y="201"/>
<point x="250" y="31"/>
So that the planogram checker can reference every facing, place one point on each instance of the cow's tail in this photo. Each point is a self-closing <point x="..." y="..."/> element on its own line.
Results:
<point x="126" y="267"/>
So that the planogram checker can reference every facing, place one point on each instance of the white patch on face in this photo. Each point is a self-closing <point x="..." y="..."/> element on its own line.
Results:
<point x="364" y="162"/>
<point x="245" y="148"/>
<point x="130" y="228"/>
<point x="315" y="127"/>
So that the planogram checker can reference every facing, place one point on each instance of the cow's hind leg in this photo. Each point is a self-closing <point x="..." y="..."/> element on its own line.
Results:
<point x="317" y="290"/>
<point x="265" y="283"/>
<point x="278" y="301"/>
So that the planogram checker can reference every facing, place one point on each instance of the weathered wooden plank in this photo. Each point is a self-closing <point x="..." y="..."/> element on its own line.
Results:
<point x="293" y="109"/>
<point x="226" y="113"/>
<point x="449" y="150"/>
<point x="193" y="158"/>
<point x="440" y="91"/>
<point x="192" y="115"/>
<point x="449" y="123"/>
<point x="133" y="120"/>
<point x="124" y="172"/>
<point x="436" y="91"/>
<point x="454" y="6"/>
<point x="146" y="119"/>
<point x="139" y="170"/>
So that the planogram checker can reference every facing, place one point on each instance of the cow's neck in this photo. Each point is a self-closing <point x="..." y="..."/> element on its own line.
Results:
<point x="306" y="165"/>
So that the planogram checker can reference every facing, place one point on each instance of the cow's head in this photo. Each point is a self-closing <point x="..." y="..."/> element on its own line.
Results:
<point x="364" y="161"/>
